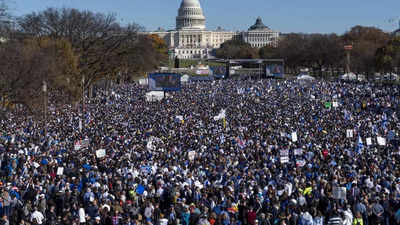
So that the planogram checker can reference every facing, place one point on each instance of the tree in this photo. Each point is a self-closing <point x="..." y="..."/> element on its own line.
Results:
<point x="268" y="52"/>
<point x="97" y="38"/>
<point x="24" y="66"/>
<point x="234" y="49"/>
<point x="6" y="22"/>
<point x="366" y="41"/>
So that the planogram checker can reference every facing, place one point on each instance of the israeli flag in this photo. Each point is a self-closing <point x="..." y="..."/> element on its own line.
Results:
<point x="360" y="145"/>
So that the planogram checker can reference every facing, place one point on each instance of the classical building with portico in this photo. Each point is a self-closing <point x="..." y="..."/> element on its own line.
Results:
<point x="191" y="40"/>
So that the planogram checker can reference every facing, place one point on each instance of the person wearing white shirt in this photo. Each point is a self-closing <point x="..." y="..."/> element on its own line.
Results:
<point x="37" y="217"/>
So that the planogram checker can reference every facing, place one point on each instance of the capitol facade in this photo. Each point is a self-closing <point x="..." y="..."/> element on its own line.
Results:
<point x="191" y="39"/>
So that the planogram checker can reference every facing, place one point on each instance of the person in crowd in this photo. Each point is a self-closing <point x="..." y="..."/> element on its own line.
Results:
<point x="227" y="152"/>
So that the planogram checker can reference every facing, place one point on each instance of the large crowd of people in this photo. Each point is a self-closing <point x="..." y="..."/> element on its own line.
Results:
<point x="245" y="152"/>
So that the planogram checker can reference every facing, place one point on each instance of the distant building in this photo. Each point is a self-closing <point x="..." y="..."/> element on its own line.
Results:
<point x="260" y="35"/>
<point x="191" y="40"/>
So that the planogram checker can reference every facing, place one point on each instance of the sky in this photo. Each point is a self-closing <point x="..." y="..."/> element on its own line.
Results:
<point x="305" y="16"/>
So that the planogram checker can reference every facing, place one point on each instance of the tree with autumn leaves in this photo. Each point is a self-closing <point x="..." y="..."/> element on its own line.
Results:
<point x="72" y="50"/>
<point x="373" y="51"/>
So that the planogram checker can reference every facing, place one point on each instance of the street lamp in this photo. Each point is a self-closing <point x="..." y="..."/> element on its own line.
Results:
<point x="44" y="89"/>
<point x="348" y="49"/>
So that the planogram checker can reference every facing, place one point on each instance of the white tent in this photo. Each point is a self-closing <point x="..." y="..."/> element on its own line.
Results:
<point x="185" y="78"/>
<point x="305" y="77"/>
<point x="155" y="96"/>
<point x="391" y="76"/>
<point x="143" y="81"/>
<point x="349" y="76"/>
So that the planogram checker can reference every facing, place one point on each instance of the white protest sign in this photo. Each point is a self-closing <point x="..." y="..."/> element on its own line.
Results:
<point x="100" y="153"/>
<point x="298" y="151"/>
<point x="60" y="171"/>
<point x="284" y="156"/>
<point x="179" y="118"/>
<point x="80" y="125"/>
<point x="349" y="133"/>
<point x="77" y="145"/>
<point x="335" y="104"/>
<point x="191" y="155"/>
<point x="85" y="143"/>
<point x="381" y="141"/>
<point x="36" y="165"/>
<point x="294" y="136"/>
<point x="369" y="141"/>
<point x="339" y="193"/>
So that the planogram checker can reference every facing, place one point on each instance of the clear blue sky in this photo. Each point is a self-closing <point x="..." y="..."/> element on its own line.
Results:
<point x="307" y="16"/>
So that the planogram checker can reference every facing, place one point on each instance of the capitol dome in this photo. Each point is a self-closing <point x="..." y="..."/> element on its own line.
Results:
<point x="190" y="16"/>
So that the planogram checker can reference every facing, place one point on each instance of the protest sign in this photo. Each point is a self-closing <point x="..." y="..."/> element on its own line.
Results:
<point x="294" y="136"/>
<point x="77" y="145"/>
<point x="328" y="105"/>
<point x="284" y="156"/>
<point x="369" y="141"/>
<point x="85" y="143"/>
<point x="381" y="141"/>
<point x="80" y="125"/>
<point x="191" y="155"/>
<point x="298" y="151"/>
<point x="100" y="153"/>
<point x="349" y="133"/>
<point x="60" y="171"/>
<point x="339" y="193"/>
<point x="335" y="104"/>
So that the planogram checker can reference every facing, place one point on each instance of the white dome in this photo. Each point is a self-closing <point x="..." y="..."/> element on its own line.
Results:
<point x="190" y="16"/>
<point x="190" y="3"/>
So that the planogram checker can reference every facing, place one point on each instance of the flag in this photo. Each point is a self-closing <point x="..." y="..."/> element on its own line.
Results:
<point x="240" y="143"/>
<point x="328" y="105"/>
<point x="360" y="145"/>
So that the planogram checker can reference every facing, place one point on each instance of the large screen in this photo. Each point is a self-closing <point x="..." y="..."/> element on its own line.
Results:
<point x="274" y="70"/>
<point x="218" y="70"/>
<point x="164" y="82"/>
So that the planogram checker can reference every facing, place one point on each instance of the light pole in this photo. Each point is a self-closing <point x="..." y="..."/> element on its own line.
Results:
<point x="45" y="106"/>
<point x="83" y="93"/>
<point x="348" y="49"/>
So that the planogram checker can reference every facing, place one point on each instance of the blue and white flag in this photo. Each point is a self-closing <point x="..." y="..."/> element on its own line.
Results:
<point x="360" y="145"/>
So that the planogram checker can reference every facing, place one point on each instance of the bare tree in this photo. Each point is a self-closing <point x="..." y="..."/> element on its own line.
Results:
<point x="96" y="37"/>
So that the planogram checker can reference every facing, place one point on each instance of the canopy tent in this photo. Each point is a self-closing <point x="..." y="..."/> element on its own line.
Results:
<point x="349" y="76"/>
<point x="305" y="77"/>
<point x="185" y="78"/>
<point x="155" y="96"/>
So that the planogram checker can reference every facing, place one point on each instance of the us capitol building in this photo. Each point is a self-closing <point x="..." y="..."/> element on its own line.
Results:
<point x="191" y="39"/>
